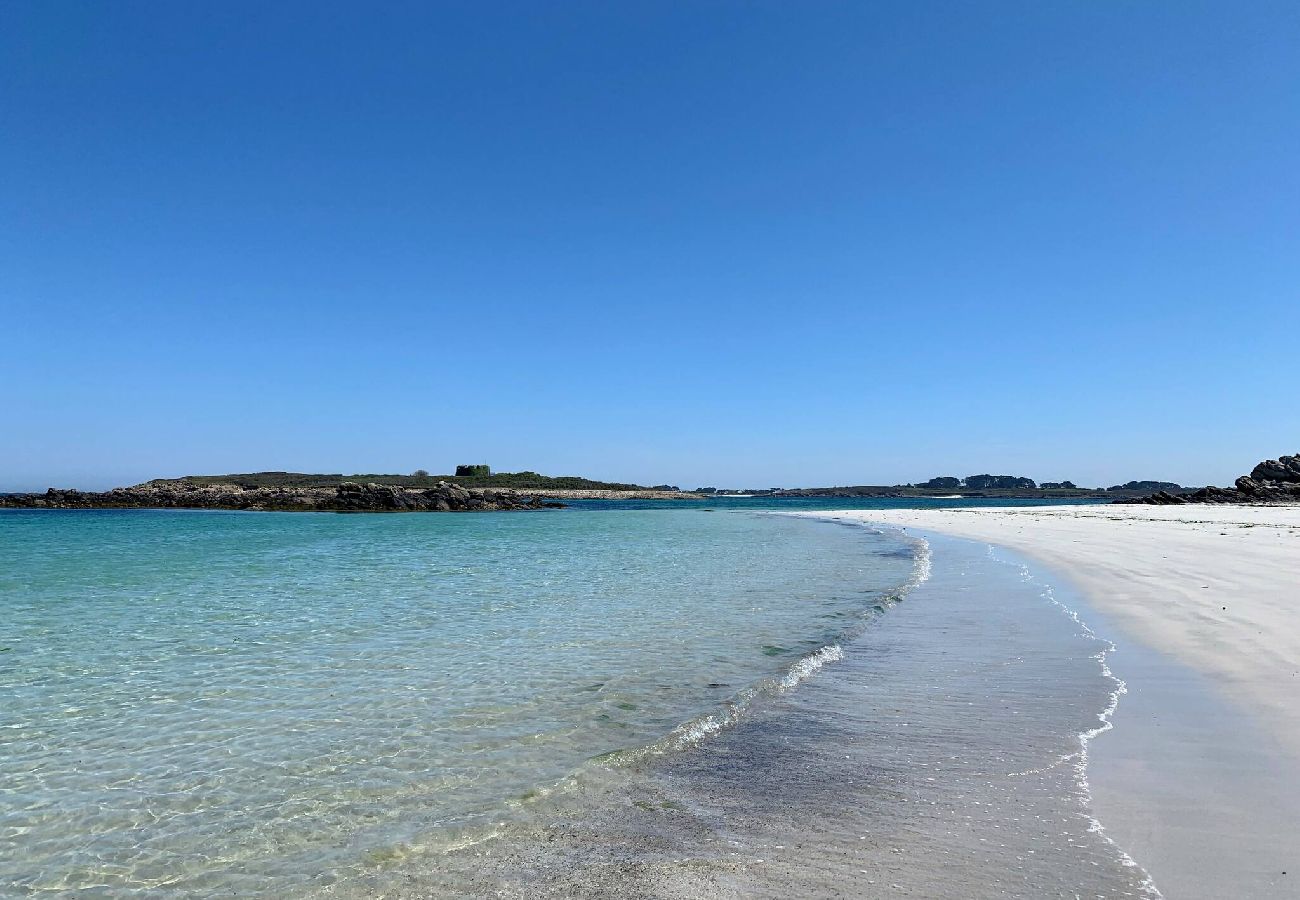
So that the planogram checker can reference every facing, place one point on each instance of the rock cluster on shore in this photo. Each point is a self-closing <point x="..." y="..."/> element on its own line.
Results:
<point x="1272" y="481"/>
<point x="346" y="497"/>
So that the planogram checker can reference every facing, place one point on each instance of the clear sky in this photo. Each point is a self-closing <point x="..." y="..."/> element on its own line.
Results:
<point x="741" y="244"/>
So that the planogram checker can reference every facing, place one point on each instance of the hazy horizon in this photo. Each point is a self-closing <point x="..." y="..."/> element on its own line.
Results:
<point x="726" y="244"/>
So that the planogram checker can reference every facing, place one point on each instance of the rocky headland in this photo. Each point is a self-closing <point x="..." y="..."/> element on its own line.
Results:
<point x="1272" y="482"/>
<point x="348" y="496"/>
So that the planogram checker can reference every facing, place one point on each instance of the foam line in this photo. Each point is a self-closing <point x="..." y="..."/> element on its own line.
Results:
<point x="694" y="731"/>
<point x="1104" y="722"/>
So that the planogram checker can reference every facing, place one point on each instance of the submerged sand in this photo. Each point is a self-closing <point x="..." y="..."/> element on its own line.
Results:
<point x="1198" y="779"/>
<point x="938" y="753"/>
<point x="961" y="746"/>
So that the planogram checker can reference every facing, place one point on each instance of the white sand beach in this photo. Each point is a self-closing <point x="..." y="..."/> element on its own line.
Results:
<point x="1198" y="777"/>
<point x="1218" y="586"/>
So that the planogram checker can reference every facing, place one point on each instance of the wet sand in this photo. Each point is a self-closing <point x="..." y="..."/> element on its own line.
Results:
<point x="941" y="756"/>
<point x="1197" y="779"/>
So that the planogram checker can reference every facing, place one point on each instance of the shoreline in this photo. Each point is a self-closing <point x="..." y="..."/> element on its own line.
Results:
<point x="1188" y="781"/>
<point x="1214" y="586"/>
<point x="971" y="737"/>
<point x="936" y="756"/>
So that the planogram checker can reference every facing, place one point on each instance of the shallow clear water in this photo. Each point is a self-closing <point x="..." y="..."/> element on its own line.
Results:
<point x="941" y="757"/>
<point x="234" y="703"/>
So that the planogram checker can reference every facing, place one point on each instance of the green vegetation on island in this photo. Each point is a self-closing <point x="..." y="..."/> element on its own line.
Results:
<point x="482" y="477"/>
<point x="479" y="476"/>
<point x="1009" y="487"/>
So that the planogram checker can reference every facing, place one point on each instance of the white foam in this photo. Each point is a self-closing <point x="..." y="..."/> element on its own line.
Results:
<point x="922" y="572"/>
<point x="698" y="729"/>
<point x="1085" y="737"/>
<point x="810" y="665"/>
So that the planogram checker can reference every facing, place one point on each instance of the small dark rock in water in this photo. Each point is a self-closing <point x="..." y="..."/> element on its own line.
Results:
<point x="346" y="497"/>
<point x="1273" y="481"/>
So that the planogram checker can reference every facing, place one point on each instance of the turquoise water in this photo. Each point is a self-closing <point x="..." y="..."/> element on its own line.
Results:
<point x="941" y="757"/>
<point x="261" y="704"/>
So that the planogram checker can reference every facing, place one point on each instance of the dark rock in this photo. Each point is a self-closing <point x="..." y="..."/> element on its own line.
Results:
<point x="1271" y="481"/>
<point x="1285" y="469"/>
<point x="345" y="497"/>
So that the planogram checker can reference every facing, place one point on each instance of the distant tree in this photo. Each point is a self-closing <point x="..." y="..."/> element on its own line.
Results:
<point x="946" y="482"/>
<point x="1149" y="486"/>
<point x="420" y="473"/>
<point x="999" y="482"/>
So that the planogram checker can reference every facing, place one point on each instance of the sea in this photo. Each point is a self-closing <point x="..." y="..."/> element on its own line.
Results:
<point x="608" y="700"/>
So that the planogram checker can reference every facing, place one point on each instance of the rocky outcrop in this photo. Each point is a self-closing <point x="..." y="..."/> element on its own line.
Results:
<point x="346" y="497"/>
<point x="1284" y="470"/>
<point x="1273" y="481"/>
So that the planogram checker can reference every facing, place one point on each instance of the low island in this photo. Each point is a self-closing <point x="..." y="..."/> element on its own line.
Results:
<point x="474" y="488"/>
<point x="478" y="488"/>
<point x="347" y="496"/>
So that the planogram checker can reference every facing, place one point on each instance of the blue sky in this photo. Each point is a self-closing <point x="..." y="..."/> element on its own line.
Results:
<point x="711" y="243"/>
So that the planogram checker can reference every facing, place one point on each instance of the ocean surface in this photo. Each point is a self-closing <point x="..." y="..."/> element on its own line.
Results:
<point x="646" y="700"/>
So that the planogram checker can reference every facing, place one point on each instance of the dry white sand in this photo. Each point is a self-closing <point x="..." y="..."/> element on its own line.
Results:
<point x="1203" y="791"/>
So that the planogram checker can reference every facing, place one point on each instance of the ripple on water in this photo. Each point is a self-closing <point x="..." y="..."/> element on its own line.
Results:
<point x="261" y="703"/>
<point x="936" y="759"/>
